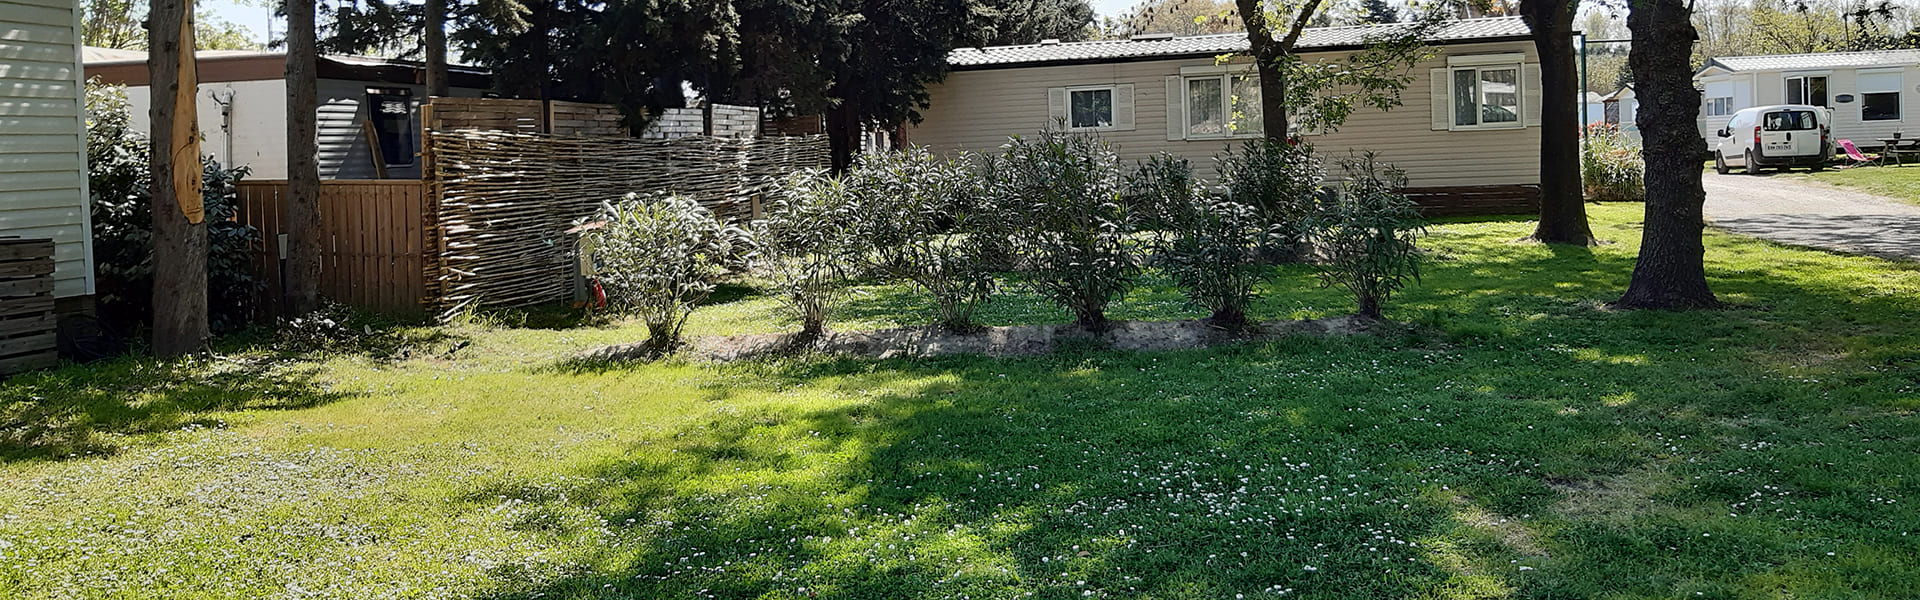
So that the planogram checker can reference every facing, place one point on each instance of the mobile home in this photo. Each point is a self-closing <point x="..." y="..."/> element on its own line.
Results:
<point x="43" y="145"/>
<point x="1872" y="95"/>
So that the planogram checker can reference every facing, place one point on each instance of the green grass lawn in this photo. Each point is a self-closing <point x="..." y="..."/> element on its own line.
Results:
<point x="1519" y="441"/>
<point x="1898" y="182"/>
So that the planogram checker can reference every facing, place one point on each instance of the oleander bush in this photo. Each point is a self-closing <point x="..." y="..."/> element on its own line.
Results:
<point x="1071" y="232"/>
<point x="1611" y="168"/>
<point x="808" y="245"/>
<point x="1212" y="251"/>
<point x="927" y="220"/>
<point x="1365" y="236"/>
<point x="1280" y="179"/>
<point x="659" y="256"/>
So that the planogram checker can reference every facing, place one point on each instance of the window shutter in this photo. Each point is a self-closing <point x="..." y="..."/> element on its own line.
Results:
<point x="1057" y="108"/>
<point x="1442" y="100"/>
<point x="1530" y="101"/>
<point x="1176" y="116"/>
<point x="1123" y="107"/>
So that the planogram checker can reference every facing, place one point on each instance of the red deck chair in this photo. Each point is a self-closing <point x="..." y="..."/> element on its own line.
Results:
<point x="1853" y="152"/>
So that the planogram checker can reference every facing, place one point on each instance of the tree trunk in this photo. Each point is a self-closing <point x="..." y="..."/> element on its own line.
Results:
<point x="1563" y="212"/>
<point x="1268" y="57"/>
<point x="179" y="221"/>
<point x="303" y="169"/>
<point x="843" y="135"/>
<point x="436" y="43"/>
<point x="1671" y="271"/>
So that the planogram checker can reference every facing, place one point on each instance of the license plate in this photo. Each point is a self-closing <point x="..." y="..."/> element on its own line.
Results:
<point x="1779" y="145"/>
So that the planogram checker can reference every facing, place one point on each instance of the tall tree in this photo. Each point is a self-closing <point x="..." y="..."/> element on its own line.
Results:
<point x="1671" y="270"/>
<point x="1563" y="211"/>
<point x="179" y="223"/>
<point x="890" y="52"/>
<point x="303" y="167"/>
<point x="435" y="41"/>
<point x="1271" y="56"/>
<point x="1378" y="12"/>
<point x="1009" y="22"/>
<point x="117" y="24"/>
<point x="1181" y="17"/>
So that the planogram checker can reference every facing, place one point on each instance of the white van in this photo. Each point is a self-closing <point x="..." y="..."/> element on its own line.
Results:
<point x="1788" y="135"/>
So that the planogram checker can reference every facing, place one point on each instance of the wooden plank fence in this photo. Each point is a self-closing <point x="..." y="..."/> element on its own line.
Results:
<point x="26" y="305"/>
<point x="372" y="242"/>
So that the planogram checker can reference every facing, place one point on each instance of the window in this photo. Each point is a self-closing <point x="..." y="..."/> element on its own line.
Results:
<point x="1486" y="97"/>
<point x="1880" y="95"/>
<point x="1090" y="108"/>
<point x="1807" y="89"/>
<point x="1719" y="107"/>
<point x="391" y="113"/>
<point x="1224" y="105"/>
<point x="1791" y="120"/>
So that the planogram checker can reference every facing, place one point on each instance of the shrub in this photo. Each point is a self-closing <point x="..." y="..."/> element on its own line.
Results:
<point x="122" y="214"/>
<point x="1611" y="168"/>
<point x="1280" y="180"/>
<point x="808" y="243"/>
<point x="1366" y="235"/>
<point x="1214" y="254"/>
<point x="1071" y="232"/>
<point x="927" y="222"/>
<point x="1159" y="189"/>
<point x="659" y="256"/>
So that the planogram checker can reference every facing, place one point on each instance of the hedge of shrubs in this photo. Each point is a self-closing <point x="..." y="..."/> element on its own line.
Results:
<point x="1611" y="168"/>
<point x="1059" y="213"/>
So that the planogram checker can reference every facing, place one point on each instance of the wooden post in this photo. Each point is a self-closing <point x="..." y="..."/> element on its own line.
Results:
<point x="179" y="223"/>
<point x="303" y="167"/>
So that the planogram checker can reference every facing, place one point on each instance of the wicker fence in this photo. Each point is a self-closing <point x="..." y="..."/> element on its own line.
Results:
<point x="504" y="200"/>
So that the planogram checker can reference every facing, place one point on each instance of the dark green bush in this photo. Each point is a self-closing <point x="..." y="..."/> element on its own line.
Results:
<point x="1071" y="232"/>
<point x="1280" y="180"/>
<point x="1210" y="246"/>
<point x="123" y="224"/>
<point x="1366" y="235"/>
<point x="927" y="221"/>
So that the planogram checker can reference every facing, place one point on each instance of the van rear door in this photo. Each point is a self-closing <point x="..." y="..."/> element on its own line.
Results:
<point x="1790" y="132"/>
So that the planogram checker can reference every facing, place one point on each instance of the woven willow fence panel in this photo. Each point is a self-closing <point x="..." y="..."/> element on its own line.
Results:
<point x="507" y="199"/>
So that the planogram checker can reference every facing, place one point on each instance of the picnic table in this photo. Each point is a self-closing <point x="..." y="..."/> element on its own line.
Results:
<point x="1897" y="150"/>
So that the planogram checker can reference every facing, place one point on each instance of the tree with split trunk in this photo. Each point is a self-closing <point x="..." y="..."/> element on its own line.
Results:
<point x="1270" y="56"/>
<point x="1563" y="212"/>
<point x="179" y="223"/>
<point x="1671" y="270"/>
<point x="303" y="167"/>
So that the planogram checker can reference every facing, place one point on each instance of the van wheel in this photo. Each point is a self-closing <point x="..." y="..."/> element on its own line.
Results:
<point x="1752" y="169"/>
<point x="1819" y="166"/>
<point x="1720" y="164"/>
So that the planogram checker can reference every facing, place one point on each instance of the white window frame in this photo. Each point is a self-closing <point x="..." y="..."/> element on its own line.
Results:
<point x="1805" y="90"/>
<point x="1113" y="106"/>
<point x="1725" y="108"/>
<point x="1898" y="90"/>
<point x="1224" y="74"/>
<point x="1519" y="93"/>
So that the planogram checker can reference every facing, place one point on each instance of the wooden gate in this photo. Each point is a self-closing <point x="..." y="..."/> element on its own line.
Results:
<point x="371" y="242"/>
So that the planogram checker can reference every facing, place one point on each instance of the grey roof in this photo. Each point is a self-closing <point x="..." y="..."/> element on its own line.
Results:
<point x="1825" y="60"/>
<point x="1463" y="30"/>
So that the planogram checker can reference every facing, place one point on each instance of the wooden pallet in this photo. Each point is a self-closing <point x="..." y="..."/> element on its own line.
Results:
<point x="27" y="324"/>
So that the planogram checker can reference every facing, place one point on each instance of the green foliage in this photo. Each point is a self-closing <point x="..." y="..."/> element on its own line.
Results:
<point x="1611" y="168"/>
<point x="1071" y="232"/>
<point x="1366" y="235"/>
<point x="1213" y="246"/>
<point x="658" y="257"/>
<point x="119" y="24"/>
<point x="809" y="245"/>
<point x="122" y="214"/>
<point x="1280" y="180"/>
<point x="928" y="222"/>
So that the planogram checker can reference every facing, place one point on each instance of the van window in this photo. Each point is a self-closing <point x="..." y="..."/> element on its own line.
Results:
<point x="1792" y="120"/>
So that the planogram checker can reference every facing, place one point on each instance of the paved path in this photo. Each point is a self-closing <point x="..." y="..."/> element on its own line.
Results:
<point x="1811" y="214"/>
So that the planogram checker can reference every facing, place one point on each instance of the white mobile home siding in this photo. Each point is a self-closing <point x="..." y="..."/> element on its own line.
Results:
<point x="43" y="158"/>
<point x="978" y="110"/>
<point x="1770" y="87"/>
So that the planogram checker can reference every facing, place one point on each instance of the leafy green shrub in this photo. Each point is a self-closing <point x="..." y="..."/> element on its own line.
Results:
<point x="1158" y="190"/>
<point x="1071" y="233"/>
<point x="1214" y="253"/>
<point x="927" y="222"/>
<point x="809" y="244"/>
<point x="1366" y="235"/>
<point x="122" y="213"/>
<point x="659" y="256"/>
<point x="1280" y="180"/>
<point x="1611" y="168"/>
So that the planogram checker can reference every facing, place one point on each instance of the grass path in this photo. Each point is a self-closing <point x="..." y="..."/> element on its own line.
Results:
<point x="1898" y="182"/>
<point x="1521" y="441"/>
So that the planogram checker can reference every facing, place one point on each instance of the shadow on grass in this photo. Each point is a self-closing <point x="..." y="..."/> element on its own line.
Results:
<point x="95" y="409"/>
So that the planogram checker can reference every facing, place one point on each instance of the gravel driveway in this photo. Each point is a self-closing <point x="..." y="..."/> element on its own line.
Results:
<point x="1810" y="214"/>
